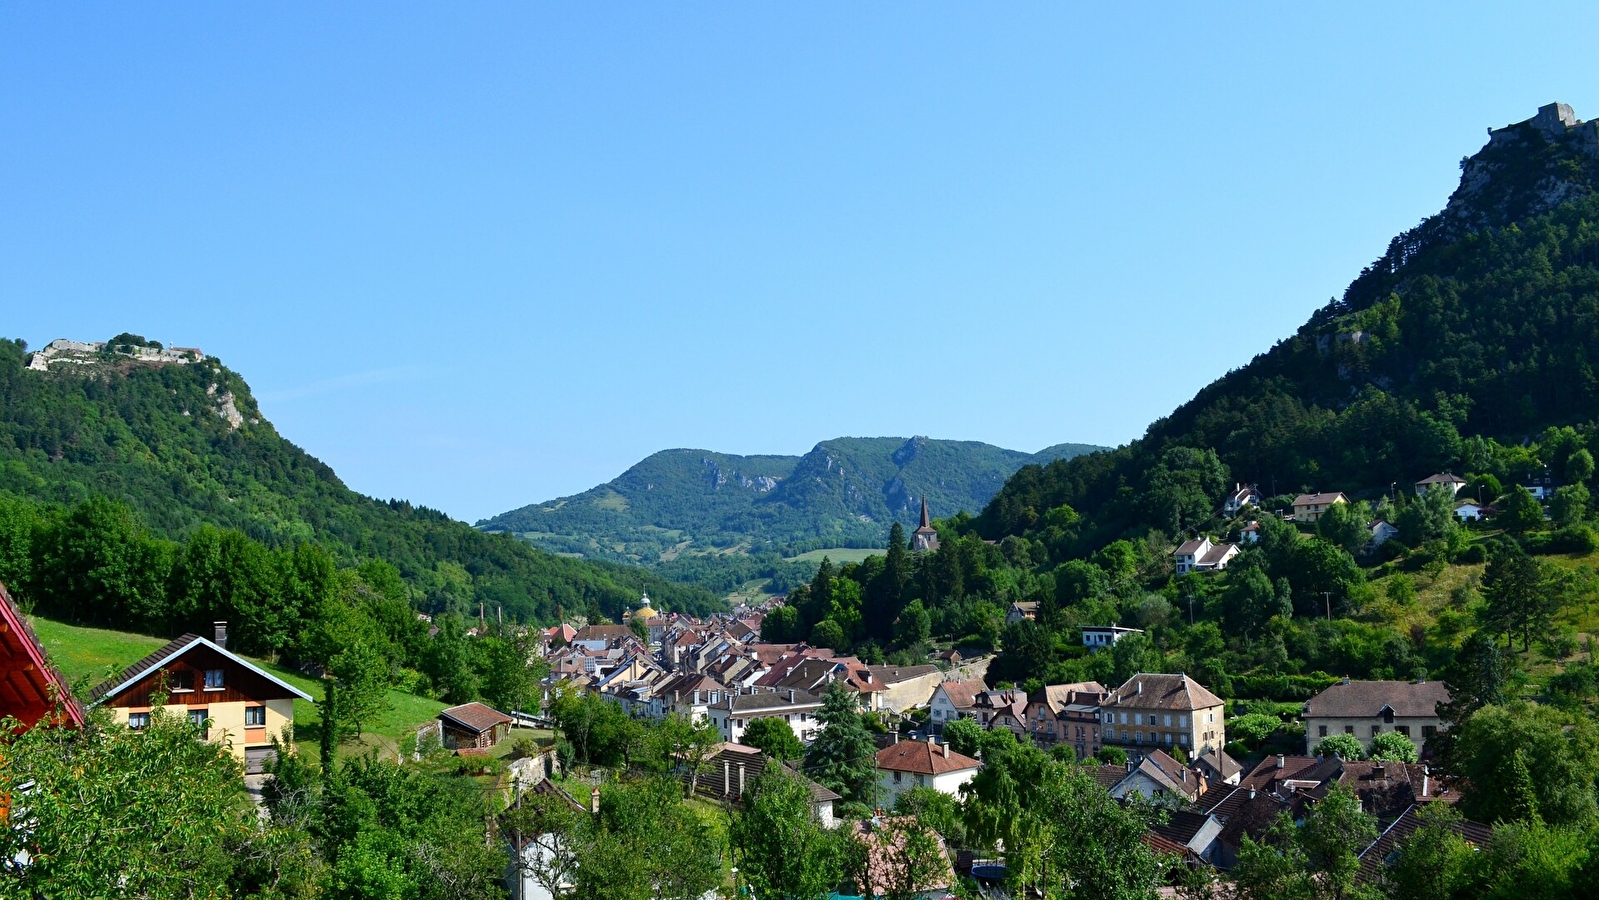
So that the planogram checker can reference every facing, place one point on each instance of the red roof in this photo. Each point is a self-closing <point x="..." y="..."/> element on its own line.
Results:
<point x="924" y="758"/>
<point x="31" y="688"/>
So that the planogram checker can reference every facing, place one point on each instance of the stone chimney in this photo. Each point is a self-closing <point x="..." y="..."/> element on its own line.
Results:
<point x="727" y="778"/>
<point x="1138" y="687"/>
<point x="220" y="634"/>
<point x="1279" y="760"/>
<point x="946" y="751"/>
<point x="741" y="779"/>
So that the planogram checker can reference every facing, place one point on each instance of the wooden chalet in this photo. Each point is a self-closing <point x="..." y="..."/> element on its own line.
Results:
<point x="474" y="726"/>
<point x="31" y="689"/>
<point x="244" y="705"/>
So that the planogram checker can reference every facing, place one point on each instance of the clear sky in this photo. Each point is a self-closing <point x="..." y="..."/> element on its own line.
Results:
<point x="481" y="255"/>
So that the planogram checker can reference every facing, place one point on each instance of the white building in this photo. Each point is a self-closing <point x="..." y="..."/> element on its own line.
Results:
<point x="911" y="764"/>
<point x="1097" y="637"/>
<point x="1200" y="555"/>
<point x="735" y="712"/>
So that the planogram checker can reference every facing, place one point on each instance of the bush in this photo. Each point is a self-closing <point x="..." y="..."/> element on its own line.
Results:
<point x="524" y="747"/>
<point x="1474" y="554"/>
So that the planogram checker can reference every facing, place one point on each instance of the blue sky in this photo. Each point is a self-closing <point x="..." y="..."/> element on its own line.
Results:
<point x="487" y="256"/>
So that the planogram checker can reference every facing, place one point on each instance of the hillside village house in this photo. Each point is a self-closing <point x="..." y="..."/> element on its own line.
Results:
<point x="1243" y="495"/>
<point x="953" y="700"/>
<point x="246" y="705"/>
<point x="1159" y="776"/>
<point x="1098" y="637"/>
<point x="1366" y="709"/>
<point x="1067" y="714"/>
<point x="1200" y="555"/>
<point x="1309" y="507"/>
<point x="1381" y="533"/>
<point x="795" y="707"/>
<point x="1444" y="479"/>
<point x="1154" y="711"/>
<point x="910" y="764"/>
<point x="1022" y="611"/>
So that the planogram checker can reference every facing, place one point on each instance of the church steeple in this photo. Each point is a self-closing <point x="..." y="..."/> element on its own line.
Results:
<point x="924" y="538"/>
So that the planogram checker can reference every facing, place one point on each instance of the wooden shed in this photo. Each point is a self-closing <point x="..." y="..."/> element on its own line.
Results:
<point x="473" y="726"/>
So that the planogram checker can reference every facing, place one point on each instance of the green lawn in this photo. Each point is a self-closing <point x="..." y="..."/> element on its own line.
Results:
<point x="87" y="656"/>
<point x="838" y="555"/>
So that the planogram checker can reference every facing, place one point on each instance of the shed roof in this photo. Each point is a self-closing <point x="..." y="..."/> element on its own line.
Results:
<point x="475" y="717"/>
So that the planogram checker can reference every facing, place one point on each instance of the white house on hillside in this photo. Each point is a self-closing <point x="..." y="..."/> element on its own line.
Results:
<point x="909" y="764"/>
<point x="1200" y="555"/>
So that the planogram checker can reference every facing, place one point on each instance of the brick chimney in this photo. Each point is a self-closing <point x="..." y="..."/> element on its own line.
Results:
<point x="219" y="632"/>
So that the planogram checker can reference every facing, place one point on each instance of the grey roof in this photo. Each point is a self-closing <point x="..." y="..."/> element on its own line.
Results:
<point x="1364" y="699"/>
<point x="768" y="700"/>
<point x="1174" y="692"/>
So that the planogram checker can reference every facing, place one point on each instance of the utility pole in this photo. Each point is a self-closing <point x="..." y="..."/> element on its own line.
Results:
<point x="1190" y="610"/>
<point x="1327" y="596"/>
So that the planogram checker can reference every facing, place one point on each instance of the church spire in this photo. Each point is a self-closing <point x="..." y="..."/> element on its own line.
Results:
<point x="925" y="522"/>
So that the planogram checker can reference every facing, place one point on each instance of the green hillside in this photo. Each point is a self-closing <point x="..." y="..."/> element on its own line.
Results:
<point x="185" y="446"/>
<point x="847" y="492"/>
<point x="1476" y="331"/>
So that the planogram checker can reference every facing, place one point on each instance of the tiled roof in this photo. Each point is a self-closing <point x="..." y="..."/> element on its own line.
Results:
<point x="768" y="700"/>
<point x="892" y="675"/>
<point x="476" y="717"/>
<point x="1191" y="547"/>
<point x="1181" y="825"/>
<point x="1363" y="699"/>
<point x="1375" y="857"/>
<point x="1156" y="691"/>
<point x="172" y="650"/>
<point x="1319" y="499"/>
<point x="144" y="665"/>
<point x="1442" y="478"/>
<point x="924" y="758"/>
<point x="963" y="694"/>
<point x="1219" y="762"/>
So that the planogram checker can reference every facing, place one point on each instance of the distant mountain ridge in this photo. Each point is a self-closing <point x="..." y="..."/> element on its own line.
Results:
<point x="845" y="492"/>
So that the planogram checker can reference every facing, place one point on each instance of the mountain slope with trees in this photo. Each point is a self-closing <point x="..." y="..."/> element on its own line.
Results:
<point x="843" y="493"/>
<point x="1476" y="330"/>
<point x="174" y="449"/>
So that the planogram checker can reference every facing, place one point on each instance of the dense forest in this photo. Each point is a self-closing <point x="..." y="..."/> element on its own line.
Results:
<point x="687" y="511"/>
<point x="158" y="439"/>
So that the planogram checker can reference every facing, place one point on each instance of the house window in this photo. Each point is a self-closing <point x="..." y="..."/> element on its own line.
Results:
<point x="1376" y="730"/>
<point x="896" y="777"/>
<point x="197" y="718"/>
<point x="213" y="679"/>
<point x="1321" y="730"/>
<point x="1153" y="720"/>
<point x="255" y="717"/>
<point x="1403" y="729"/>
<point x="1427" y="731"/>
<point x="1349" y="729"/>
<point x="139" y="720"/>
<point x="181" y="681"/>
<point x="1182" y="739"/>
<point x="1182" y="721"/>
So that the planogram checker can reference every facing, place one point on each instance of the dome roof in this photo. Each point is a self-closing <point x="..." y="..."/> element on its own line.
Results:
<point x="645" y="611"/>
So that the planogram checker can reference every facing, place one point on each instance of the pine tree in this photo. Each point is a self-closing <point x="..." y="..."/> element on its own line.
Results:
<point x="843" y="757"/>
<point x="1519" y="790"/>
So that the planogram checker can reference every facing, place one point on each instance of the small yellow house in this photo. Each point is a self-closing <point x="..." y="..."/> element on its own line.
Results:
<point x="1309" y="507"/>
<point x="244" y="704"/>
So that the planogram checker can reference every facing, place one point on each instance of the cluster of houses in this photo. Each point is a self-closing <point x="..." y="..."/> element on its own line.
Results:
<point x="1201" y="554"/>
<point x="1171" y="728"/>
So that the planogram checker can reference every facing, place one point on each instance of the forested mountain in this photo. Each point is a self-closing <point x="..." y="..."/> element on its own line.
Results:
<point x="185" y="445"/>
<point x="843" y="493"/>
<point x="1481" y="323"/>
